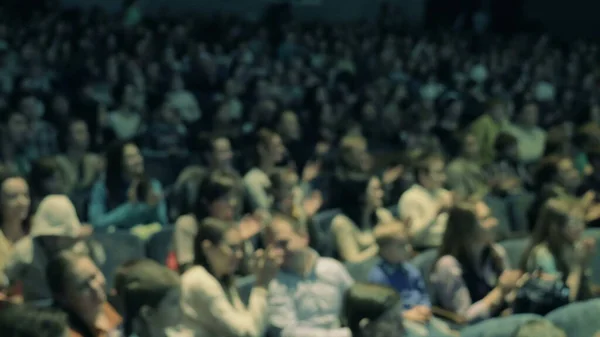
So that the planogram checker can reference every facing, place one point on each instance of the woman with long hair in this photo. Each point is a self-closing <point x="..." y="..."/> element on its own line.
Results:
<point x="211" y="304"/>
<point x="471" y="275"/>
<point x="45" y="178"/>
<point x="557" y="248"/>
<point x="14" y="213"/>
<point x="126" y="197"/>
<point x="361" y="210"/>
<point x="217" y="197"/>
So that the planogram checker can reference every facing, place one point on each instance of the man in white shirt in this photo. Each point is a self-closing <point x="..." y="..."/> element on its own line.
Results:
<point x="306" y="297"/>
<point x="424" y="206"/>
<point x="531" y="139"/>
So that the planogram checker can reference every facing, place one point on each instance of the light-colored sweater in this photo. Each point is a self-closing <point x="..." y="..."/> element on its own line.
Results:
<point x="210" y="310"/>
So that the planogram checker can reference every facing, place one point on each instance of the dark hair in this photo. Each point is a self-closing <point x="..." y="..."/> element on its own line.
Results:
<point x="504" y="141"/>
<point x="216" y="185"/>
<point x="463" y="219"/>
<point x="41" y="170"/>
<point x="371" y="302"/>
<point x="547" y="170"/>
<point x="214" y="231"/>
<point x="29" y="321"/>
<point x="352" y="195"/>
<point x="59" y="268"/>
<point x="65" y="136"/>
<point x="114" y="172"/>
<point x="423" y="163"/>
<point x="264" y="137"/>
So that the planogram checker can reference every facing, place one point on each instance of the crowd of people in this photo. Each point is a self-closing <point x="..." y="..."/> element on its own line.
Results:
<point x="311" y="179"/>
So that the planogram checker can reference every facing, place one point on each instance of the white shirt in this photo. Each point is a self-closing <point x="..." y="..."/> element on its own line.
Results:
<point x="531" y="142"/>
<point x="421" y="208"/>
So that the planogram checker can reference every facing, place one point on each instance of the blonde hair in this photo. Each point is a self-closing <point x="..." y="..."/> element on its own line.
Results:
<point x="386" y="232"/>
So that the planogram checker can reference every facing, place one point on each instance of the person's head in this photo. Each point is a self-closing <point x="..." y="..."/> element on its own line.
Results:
<point x="539" y="327"/>
<point x="288" y="234"/>
<point x="124" y="161"/>
<point x="289" y="126"/>
<point x="29" y="321"/>
<point x="45" y="178"/>
<point x="283" y="182"/>
<point x="467" y="218"/>
<point x="77" y="285"/>
<point x="128" y="96"/>
<point x="78" y="135"/>
<point x="217" y="197"/>
<point x="470" y="146"/>
<point x="32" y="107"/>
<point x="506" y="146"/>
<point x="151" y="294"/>
<point x="353" y="153"/>
<point x="220" y="153"/>
<point x="359" y="193"/>
<point x="17" y="127"/>
<point x="496" y="109"/>
<point x="270" y="148"/>
<point x="55" y="223"/>
<point x="560" y="223"/>
<point x="430" y="171"/>
<point x="218" y="247"/>
<point x="169" y="113"/>
<point x="529" y="115"/>
<point x="393" y="241"/>
<point x="60" y="105"/>
<point x="14" y="198"/>
<point x="558" y="170"/>
<point x="372" y="310"/>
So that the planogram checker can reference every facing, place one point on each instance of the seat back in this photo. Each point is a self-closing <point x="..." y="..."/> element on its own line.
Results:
<point x="498" y="327"/>
<point x="515" y="248"/>
<point x="322" y="222"/>
<point x="578" y="319"/>
<point x="159" y="245"/>
<point x="119" y="247"/>
<point x="424" y="262"/>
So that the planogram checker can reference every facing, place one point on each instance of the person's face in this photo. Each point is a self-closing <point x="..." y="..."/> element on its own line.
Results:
<point x="80" y="136"/>
<point x="573" y="229"/>
<point x="54" y="184"/>
<point x="276" y="149"/>
<point x="84" y="288"/>
<point x="224" y="207"/>
<point x="133" y="161"/>
<point x="17" y="126"/>
<point x="374" y="193"/>
<point x="398" y="249"/>
<point x="15" y="199"/>
<point x="369" y="113"/>
<point x="498" y="112"/>
<point x="284" y="237"/>
<point x="437" y="174"/>
<point x="222" y="154"/>
<point x="567" y="174"/>
<point x="471" y="147"/>
<point x="290" y="126"/>
<point x="130" y="96"/>
<point x="225" y="256"/>
<point x="168" y="312"/>
<point x="530" y="115"/>
<point x="60" y="105"/>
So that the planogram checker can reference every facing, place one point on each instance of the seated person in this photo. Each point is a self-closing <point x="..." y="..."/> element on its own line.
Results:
<point x="306" y="297"/>
<point x="471" y="276"/>
<point x="558" y="249"/>
<point x="151" y="295"/>
<point x="362" y="209"/>
<point x="424" y="206"/>
<point x="77" y="287"/>
<point x="27" y="321"/>
<point x="126" y="198"/>
<point x="395" y="271"/>
<point x="54" y="228"/>
<point x="210" y="301"/>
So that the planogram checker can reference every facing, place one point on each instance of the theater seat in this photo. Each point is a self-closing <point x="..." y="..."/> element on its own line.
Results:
<point x="498" y="327"/>
<point x="322" y="224"/>
<point x="578" y="319"/>
<point x="119" y="247"/>
<point x="159" y="245"/>
<point x="515" y="249"/>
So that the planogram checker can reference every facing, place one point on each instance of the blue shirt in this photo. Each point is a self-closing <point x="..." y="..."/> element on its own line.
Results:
<point x="405" y="279"/>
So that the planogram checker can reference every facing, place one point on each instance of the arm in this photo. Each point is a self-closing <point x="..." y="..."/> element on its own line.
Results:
<point x="121" y="216"/>
<point x="419" y="284"/>
<point x="283" y="317"/>
<point x="412" y="212"/>
<point x="183" y="239"/>
<point x="161" y="208"/>
<point x="347" y="245"/>
<point x="255" y="192"/>
<point x="208" y="308"/>
<point x="453" y="293"/>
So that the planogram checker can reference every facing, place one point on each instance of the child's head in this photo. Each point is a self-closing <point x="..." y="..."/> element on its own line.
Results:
<point x="392" y="239"/>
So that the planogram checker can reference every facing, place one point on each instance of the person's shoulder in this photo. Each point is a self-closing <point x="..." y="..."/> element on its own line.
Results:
<point x="341" y="222"/>
<point x="448" y="264"/>
<point x="186" y="222"/>
<point x="23" y="250"/>
<point x="198" y="279"/>
<point x="255" y="175"/>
